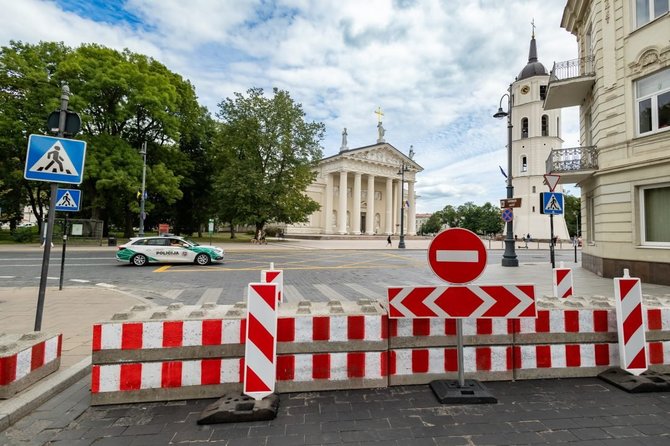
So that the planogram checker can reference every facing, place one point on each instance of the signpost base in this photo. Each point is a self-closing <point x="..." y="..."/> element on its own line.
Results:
<point x="236" y="407"/>
<point x="648" y="381"/>
<point x="472" y="392"/>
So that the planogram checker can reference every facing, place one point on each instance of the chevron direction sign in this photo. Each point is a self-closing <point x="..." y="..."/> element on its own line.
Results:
<point x="478" y="301"/>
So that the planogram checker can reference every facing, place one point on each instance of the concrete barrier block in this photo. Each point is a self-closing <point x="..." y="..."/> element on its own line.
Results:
<point x="27" y="358"/>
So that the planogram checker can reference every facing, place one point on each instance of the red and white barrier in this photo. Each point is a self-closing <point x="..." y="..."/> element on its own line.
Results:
<point x="631" y="329"/>
<point x="275" y="276"/>
<point x="22" y="362"/>
<point x="260" y="354"/>
<point x="563" y="284"/>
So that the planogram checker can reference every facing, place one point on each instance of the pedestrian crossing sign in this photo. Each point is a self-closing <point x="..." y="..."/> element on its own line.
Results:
<point x="68" y="200"/>
<point x="551" y="203"/>
<point x="56" y="160"/>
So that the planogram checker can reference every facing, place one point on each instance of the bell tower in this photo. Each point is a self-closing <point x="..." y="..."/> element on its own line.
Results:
<point x="535" y="133"/>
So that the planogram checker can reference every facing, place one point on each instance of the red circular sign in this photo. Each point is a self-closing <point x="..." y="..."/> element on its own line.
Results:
<point x="457" y="255"/>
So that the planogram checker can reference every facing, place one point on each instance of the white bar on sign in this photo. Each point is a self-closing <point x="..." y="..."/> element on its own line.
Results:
<point x="454" y="255"/>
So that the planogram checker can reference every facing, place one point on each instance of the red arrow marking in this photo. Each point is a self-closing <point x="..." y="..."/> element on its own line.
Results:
<point x="505" y="301"/>
<point x="414" y="302"/>
<point x="458" y="301"/>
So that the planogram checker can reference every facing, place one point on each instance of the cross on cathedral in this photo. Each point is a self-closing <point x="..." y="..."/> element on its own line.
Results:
<point x="379" y="114"/>
<point x="532" y="23"/>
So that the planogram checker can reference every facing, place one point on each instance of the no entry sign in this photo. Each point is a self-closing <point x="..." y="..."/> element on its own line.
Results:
<point x="457" y="255"/>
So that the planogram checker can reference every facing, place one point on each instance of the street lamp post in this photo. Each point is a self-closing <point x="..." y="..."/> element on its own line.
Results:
<point x="401" y="172"/>
<point x="143" y="152"/>
<point x="509" y="257"/>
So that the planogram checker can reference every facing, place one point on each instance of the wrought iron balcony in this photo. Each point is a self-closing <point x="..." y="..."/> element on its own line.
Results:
<point x="574" y="164"/>
<point x="570" y="82"/>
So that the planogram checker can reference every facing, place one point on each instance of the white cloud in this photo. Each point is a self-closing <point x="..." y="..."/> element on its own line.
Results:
<point x="438" y="69"/>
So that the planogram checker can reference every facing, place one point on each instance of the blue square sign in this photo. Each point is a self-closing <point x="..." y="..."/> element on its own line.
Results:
<point x="56" y="160"/>
<point x="68" y="200"/>
<point x="552" y="203"/>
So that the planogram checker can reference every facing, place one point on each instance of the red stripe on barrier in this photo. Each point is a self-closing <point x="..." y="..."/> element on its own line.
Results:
<point x="210" y="371"/>
<point x="542" y="322"/>
<point x="393" y="327"/>
<point x="640" y="360"/>
<point x="392" y="362"/>
<point x="385" y="327"/>
<point x="543" y="356"/>
<point x="384" y="363"/>
<point x="172" y="333"/>
<point x="602" y="353"/>
<point x="130" y="377"/>
<point x="37" y="356"/>
<point x="286" y="368"/>
<point x="625" y="285"/>
<point x="254" y="383"/>
<point x="421" y="327"/>
<point x="513" y="326"/>
<point x="419" y="361"/>
<point x="450" y="360"/>
<point x="571" y="321"/>
<point x="654" y="321"/>
<point x="241" y="369"/>
<point x="171" y="374"/>
<point x="321" y="366"/>
<point x="95" y="379"/>
<point x="484" y="326"/>
<point x="600" y="324"/>
<point x="355" y="327"/>
<point x="321" y="328"/>
<point x="450" y="327"/>
<point x="7" y="369"/>
<point x="573" y="355"/>
<point x="286" y="330"/>
<point x="243" y="331"/>
<point x="131" y="335"/>
<point x="212" y="331"/>
<point x="60" y="345"/>
<point x="97" y="337"/>
<point x="483" y="358"/>
<point x="656" y="353"/>
<point x="261" y="338"/>
<point x="632" y="323"/>
<point x="356" y="365"/>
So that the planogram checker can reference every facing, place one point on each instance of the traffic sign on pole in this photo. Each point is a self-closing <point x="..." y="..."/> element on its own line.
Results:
<point x="457" y="255"/>
<point x="68" y="200"/>
<point x="56" y="160"/>
<point x="507" y="214"/>
<point x="552" y="181"/>
<point x="483" y="301"/>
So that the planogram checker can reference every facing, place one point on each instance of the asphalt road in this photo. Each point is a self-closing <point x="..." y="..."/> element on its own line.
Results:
<point x="309" y="275"/>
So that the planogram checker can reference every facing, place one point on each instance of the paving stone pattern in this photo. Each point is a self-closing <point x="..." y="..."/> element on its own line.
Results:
<point x="584" y="411"/>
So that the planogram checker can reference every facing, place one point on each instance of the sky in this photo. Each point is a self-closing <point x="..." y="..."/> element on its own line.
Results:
<point x="437" y="68"/>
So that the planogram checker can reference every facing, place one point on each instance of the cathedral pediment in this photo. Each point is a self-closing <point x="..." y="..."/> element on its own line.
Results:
<point x="378" y="154"/>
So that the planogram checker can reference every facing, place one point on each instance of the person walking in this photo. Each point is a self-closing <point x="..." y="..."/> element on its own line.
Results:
<point x="388" y="241"/>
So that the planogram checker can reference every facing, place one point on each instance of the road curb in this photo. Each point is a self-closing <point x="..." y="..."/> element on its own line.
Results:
<point x="15" y="408"/>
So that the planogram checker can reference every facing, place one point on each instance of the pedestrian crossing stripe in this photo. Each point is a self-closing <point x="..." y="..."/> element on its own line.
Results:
<point x="55" y="160"/>
<point x="66" y="201"/>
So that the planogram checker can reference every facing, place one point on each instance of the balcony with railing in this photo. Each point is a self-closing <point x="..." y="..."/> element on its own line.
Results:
<point x="570" y="82"/>
<point x="573" y="164"/>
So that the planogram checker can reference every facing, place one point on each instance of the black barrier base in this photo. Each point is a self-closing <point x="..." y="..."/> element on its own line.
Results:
<point x="646" y="382"/>
<point x="234" y="408"/>
<point x="448" y="391"/>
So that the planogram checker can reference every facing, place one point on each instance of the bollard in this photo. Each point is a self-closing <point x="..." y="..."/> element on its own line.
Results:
<point x="630" y="324"/>
<point x="562" y="281"/>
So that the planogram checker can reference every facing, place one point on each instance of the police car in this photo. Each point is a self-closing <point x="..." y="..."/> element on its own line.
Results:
<point x="142" y="250"/>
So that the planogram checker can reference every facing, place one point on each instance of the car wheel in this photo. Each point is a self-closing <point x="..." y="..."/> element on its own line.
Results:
<point x="202" y="259"/>
<point x="139" y="260"/>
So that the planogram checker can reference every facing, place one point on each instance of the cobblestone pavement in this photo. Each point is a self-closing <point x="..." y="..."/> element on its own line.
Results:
<point x="580" y="411"/>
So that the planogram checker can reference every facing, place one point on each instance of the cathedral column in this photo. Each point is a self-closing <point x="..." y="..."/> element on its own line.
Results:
<point x="342" y="208"/>
<point x="396" y="209"/>
<point x="328" y="209"/>
<point x="389" y="206"/>
<point x="356" y="211"/>
<point x="370" y="212"/>
<point x="411" y="214"/>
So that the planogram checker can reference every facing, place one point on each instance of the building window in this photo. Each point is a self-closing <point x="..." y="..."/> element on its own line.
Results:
<point x="543" y="92"/>
<point x="590" y="219"/>
<point x="533" y="189"/>
<point x="652" y="97"/>
<point x="654" y="215"/>
<point x="524" y="164"/>
<point x="545" y="125"/>
<point x="524" y="127"/>
<point x="648" y="10"/>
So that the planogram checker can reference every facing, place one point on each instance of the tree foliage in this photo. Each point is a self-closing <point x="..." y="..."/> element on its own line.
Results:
<point x="481" y="220"/>
<point x="571" y="210"/>
<point x="265" y="153"/>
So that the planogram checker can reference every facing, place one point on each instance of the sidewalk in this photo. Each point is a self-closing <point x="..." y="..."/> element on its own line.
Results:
<point x="73" y="310"/>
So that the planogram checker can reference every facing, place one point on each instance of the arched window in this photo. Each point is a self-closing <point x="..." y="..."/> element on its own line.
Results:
<point x="524" y="163"/>
<point x="545" y="125"/>
<point x="524" y="127"/>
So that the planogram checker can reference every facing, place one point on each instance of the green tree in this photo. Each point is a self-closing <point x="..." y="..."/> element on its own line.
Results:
<point x="490" y="219"/>
<point x="29" y="92"/>
<point x="433" y="225"/>
<point x="571" y="209"/>
<point x="450" y="217"/>
<point x="265" y="153"/>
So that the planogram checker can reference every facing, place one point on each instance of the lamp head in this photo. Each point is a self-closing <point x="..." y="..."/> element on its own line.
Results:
<point x="500" y="113"/>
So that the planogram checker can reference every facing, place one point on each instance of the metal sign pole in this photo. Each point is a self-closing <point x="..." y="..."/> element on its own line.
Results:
<point x="64" y="98"/>
<point x="62" y="257"/>
<point x="551" y="242"/>
<point x="459" y="347"/>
